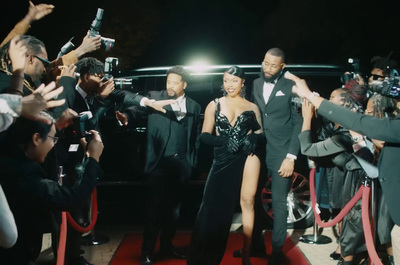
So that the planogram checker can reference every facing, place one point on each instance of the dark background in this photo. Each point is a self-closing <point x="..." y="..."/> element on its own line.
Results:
<point x="160" y="32"/>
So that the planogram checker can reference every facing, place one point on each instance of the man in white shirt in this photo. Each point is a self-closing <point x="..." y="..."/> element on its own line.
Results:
<point x="272" y="93"/>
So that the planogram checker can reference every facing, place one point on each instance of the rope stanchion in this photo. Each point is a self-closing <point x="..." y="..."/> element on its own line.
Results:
<point x="342" y="213"/>
<point x="63" y="240"/>
<point x="79" y="228"/>
<point x="364" y="192"/>
<point x="367" y="228"/>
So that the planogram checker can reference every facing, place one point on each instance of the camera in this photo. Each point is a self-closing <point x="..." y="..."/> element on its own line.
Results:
<point x="106" y="43"/>
<point x="79" y="129"/>
<point x="121" y="83"/>
<point x="355" y="64"/>
<point x="389" y="87"/>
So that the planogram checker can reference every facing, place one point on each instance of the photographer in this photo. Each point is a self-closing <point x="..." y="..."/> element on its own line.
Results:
<point x="69" y="154"/>
<point x="389" y="131"/>
<point x="31" y="196"/>
<point x="37" y="12"/>
<point x="92" y="96"/>
<point x="380" y="69"/>
<point x="29" y="70"/>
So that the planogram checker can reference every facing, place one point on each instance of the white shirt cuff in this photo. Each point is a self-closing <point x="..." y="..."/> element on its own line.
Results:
<point x="291" y="156"/>
<point x="142" y="101"/>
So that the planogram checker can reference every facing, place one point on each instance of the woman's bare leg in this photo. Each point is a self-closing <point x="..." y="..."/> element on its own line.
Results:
<point x="247" y="197"/>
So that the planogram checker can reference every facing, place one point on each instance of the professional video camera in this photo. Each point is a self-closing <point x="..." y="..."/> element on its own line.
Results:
<point x="355" y="63"/>
<point x="107" y="43"/>
<point x="121" y="83"/>
<point x="389" y="87"/>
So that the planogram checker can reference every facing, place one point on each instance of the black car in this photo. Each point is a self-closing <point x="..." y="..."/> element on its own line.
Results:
<point x="121" y="188"/>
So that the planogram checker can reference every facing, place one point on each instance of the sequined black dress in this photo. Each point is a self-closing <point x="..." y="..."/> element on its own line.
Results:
<point x="222" y="191"/>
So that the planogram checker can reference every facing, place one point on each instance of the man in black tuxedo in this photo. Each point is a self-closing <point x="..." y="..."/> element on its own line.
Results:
<point x="86" y="99"/>
<point x="272" y="93"/>
<point x="388" y="164"/>
<point x="172" y="143"/>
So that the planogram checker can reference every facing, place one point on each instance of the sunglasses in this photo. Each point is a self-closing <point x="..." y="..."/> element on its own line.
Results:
<point x="44" y="61"/>
<point x="376" y="77"/>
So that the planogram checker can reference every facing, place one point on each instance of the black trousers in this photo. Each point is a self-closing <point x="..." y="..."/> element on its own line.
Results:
<point x="163" y="200"/>
<point x="280" y="189"/>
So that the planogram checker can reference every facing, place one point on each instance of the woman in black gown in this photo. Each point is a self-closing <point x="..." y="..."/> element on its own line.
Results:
<point x="235" y="170"/>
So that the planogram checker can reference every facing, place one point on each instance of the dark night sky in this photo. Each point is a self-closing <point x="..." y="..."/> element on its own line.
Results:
<point x="160" y="32"/>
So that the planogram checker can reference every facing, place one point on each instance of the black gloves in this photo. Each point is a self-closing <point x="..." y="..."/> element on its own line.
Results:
<point x="210" y="139"/>
<point x="250" y="143"/>
<point x="232" y="145"/>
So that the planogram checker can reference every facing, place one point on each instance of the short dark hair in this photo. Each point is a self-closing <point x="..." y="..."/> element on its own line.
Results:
<point x="90" y="65"/>
<point x="236" y="71"/>
<point x="179" y="70"/>
<point x="22" y="130"/>
<point x="383" y="63"/>
<point x="277" y="52"/>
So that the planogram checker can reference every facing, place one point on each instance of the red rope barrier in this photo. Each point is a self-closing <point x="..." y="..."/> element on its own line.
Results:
<point x="82" y="229"/>
<point x="363" y="192"/>
<point x="63" y="240"/>
<point x="342" y="213"/>
<point x="367" y="228"/>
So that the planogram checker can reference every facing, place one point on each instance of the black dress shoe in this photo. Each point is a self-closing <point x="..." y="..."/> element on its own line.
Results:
<point x="276" y="258"/>
<point x="79" y="261"/>
<point x="146" y="260"/>
<point x="253" y="253"/>
<point x="171" y="252"/>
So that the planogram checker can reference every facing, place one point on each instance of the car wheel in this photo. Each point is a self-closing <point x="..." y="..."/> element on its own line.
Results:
<point x="300" y="214"/>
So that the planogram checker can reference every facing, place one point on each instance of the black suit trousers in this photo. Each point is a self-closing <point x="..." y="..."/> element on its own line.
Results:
<point x="163" y="200"/>
<point x="280" y="189"/>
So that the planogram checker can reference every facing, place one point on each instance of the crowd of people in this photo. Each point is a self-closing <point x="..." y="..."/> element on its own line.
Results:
<point x="49" y="123"/>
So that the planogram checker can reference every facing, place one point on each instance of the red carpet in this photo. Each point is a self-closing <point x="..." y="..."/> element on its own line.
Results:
<point x="129" y="251"/>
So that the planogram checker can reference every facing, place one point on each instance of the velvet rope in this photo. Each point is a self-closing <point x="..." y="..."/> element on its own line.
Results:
<point x="82" y="229"/>
<point x="363" y="192"/>
<point x="63" y="239"/>
<point x="367" y="228"/>
<point x="342" y="213"/>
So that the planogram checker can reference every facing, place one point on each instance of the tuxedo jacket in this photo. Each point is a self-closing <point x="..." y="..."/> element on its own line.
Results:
<point x="159" y="133"/>
<point x="281" y="122"/>
<point x="72" y="134"/>
<point x="380" y="129"/>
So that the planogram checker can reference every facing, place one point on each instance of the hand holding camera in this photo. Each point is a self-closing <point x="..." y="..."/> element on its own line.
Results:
<point x="106" y="43"/>
<point x="94" y="147"/>
<point x="106" y="88"/>
<point x="89" y="44"/>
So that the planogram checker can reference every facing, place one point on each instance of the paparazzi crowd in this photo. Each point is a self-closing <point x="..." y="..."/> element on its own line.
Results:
<point x="49" y="123"/>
